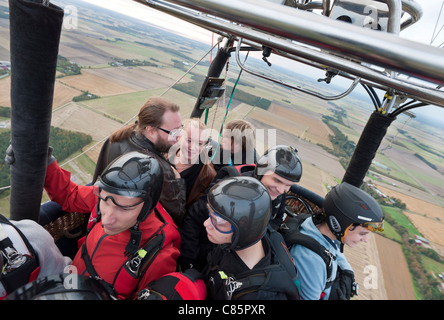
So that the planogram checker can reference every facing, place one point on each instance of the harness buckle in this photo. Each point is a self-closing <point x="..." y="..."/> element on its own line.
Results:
<point x="134" y="263"/>
<point x="332" y="258"/>
<point x="330" y="255"/>
<point x="232" y="285"/>
<point x="355" y="289"/>
<point x="143" y="294"/>
<point x="14" y="259"/>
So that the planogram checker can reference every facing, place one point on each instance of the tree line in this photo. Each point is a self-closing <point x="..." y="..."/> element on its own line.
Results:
<point x="63" y="141"/>
<point x="193" y="89"/>
<point x="426" y="284"/>
<point x="66" y="67"/>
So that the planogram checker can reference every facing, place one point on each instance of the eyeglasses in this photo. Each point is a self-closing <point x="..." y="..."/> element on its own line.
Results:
<point x="219" y="223"/>
<point x="374" y="226"/>
<point x="174" y="133"/>
<point x="97" y="190"/>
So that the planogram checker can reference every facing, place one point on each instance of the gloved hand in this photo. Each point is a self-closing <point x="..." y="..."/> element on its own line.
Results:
<point x="344" y="287"/>
<point x="10" y="158"/>
<point x="50" y="159"/>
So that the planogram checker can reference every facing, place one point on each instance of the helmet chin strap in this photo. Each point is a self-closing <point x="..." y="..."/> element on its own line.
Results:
<point x="341" y="238"/>
<point x="134" y="242"/>
<point x="136" y="235"/>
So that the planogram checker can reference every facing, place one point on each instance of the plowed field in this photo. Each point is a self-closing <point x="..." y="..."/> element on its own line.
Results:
<point x="398" y="284"/>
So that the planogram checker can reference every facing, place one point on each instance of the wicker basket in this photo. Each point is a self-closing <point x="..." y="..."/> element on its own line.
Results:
<point x="64" y="225"/>
<point x="300" y="204"/>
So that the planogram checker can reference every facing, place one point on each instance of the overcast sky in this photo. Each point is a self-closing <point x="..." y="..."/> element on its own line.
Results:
<point x="430" y="26"/>
<point x="422" y="31"/>
<point x="143" y="12"/>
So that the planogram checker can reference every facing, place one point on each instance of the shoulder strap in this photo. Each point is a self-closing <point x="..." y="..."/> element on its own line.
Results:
<point x="280" y="249"/>
<point x="280" y="276"/>
<point x="134" y="267"/>
<point x="234" y="171"/>
<point x="227" y="171"/>
<point x="292" y="236"/>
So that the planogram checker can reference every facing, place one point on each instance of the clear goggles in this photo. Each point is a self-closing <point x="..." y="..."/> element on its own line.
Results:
<point x="219" y="223"/>
<point x="97" y="191"/>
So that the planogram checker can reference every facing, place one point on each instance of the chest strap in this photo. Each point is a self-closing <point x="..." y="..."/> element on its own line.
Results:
<point x="133" y="269"/>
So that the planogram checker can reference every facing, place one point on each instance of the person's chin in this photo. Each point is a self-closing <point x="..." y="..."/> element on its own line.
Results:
<point x="110" y="232"/>
<point x="352" y="244"/>
<point x="273" y="195"/>
<point x="211" y="238"/>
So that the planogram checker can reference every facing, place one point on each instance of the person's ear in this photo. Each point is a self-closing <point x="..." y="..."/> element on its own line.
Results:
<point x="149" y="131"/>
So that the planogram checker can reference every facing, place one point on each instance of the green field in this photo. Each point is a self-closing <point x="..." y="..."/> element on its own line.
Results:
<point x="401" y="220"/>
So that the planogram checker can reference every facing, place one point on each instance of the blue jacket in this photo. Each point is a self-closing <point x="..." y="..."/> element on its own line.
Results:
<point x="312" y="272"/>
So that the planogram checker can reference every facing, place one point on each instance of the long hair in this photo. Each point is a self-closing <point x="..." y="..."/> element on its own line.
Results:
<point x="150" y="114"/>
<point x="242" y="132"/>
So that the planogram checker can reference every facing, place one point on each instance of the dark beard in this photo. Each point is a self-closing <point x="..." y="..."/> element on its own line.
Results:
<point x="162" y="147"/>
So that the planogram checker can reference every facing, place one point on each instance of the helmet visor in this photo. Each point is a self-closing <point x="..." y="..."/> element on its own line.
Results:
<point x="127" y="191"/>
<point x="374" y="226"/>
<point x="98" y="192"/>
<point x="219" y="223"/>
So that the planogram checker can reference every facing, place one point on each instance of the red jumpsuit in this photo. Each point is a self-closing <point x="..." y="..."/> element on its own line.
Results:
<point x="107" y="252"/>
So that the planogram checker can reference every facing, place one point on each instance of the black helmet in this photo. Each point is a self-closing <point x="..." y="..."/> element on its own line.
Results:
<point x="65" y="286"/>
<point x="283" y="160"/>
<point x="134" y="174"/>
<point x="346" y="205"/>
<point x="246" y="204"/>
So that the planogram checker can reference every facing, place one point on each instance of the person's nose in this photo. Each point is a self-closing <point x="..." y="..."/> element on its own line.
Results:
<point x="108" y="216"/>
<point x="207" y="223"/>
<point x="364" y="239"/>
<point x="281" y="188"/>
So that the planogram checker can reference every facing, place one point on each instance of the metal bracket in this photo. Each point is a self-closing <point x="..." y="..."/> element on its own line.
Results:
<point x="310" y="92"/>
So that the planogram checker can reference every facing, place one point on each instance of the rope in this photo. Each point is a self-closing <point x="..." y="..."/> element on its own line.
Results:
<point x="435" y="34"/>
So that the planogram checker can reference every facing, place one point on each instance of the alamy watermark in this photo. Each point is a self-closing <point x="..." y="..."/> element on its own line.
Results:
<point x="371" y="20"/>
<point x="233" y="146"/>
<point x="71" y="281"/>
<point x="371" y="278"/>
<point x="70" y="19"/>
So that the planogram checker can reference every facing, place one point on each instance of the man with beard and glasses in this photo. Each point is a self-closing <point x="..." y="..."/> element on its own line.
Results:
<point x="157" y="128"/>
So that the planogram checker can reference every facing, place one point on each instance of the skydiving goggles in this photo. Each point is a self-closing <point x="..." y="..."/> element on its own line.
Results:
<point x="219" y="223"/>
<point x="97" y="191"/>
<point x="373" y="226"/>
